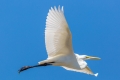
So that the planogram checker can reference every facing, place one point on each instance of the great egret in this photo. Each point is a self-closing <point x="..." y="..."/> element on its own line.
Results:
<point x="58" y="42"/>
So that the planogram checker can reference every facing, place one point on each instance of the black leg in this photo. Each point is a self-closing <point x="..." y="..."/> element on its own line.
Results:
<point x="28" y="67"/>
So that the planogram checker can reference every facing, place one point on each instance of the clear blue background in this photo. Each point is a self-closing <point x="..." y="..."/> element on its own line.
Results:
<point x="95" y="27"/>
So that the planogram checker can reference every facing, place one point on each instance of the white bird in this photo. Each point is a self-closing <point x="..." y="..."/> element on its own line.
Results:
<point x="58" y="42"/>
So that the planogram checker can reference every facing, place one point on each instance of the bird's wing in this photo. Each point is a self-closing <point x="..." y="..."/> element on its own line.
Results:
<point x="83" y="66"/>
<point x="85" y="70"/>
<point x="57" y="33"/>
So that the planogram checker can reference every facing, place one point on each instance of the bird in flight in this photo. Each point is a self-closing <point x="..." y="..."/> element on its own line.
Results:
<point x="58" y="42"/>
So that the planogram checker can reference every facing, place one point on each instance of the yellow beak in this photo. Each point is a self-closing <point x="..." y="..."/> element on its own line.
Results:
<point x="93" y="58"/>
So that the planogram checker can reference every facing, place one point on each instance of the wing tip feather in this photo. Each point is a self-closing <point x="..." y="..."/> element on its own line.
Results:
<point x="96" y="74"/>
<point x="60" y="9"/>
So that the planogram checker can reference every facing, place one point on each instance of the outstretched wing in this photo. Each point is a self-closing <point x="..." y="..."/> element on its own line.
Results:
<point x="83" y="66"/>
<point x="57" y="34"/>
<point x="85" y="70"/>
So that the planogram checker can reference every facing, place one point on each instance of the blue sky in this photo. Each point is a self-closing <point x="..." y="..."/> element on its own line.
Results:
<point x="95" y="27"/>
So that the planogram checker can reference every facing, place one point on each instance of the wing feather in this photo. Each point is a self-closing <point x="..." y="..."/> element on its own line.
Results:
<point x="85" y="70"/>
<point x="83" y="66"/>
<point x="57" y="33"/>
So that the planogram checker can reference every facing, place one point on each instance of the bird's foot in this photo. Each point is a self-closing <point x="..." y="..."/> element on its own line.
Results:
<point x="24" y="68"/>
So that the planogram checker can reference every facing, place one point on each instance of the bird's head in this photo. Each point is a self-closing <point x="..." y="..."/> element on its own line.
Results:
<point x="86" y="57"/>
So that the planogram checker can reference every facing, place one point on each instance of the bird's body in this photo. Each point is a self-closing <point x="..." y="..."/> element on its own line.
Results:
<point x="58" y="41"/>
<point x="63" y="60"/>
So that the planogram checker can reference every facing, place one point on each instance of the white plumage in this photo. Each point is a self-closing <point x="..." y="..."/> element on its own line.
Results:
<point x="57" y="34"/>
<point x="58" y="41"/>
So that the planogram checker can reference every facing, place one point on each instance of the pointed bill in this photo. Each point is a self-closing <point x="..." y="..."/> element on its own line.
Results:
<point x="93" y="58"/>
